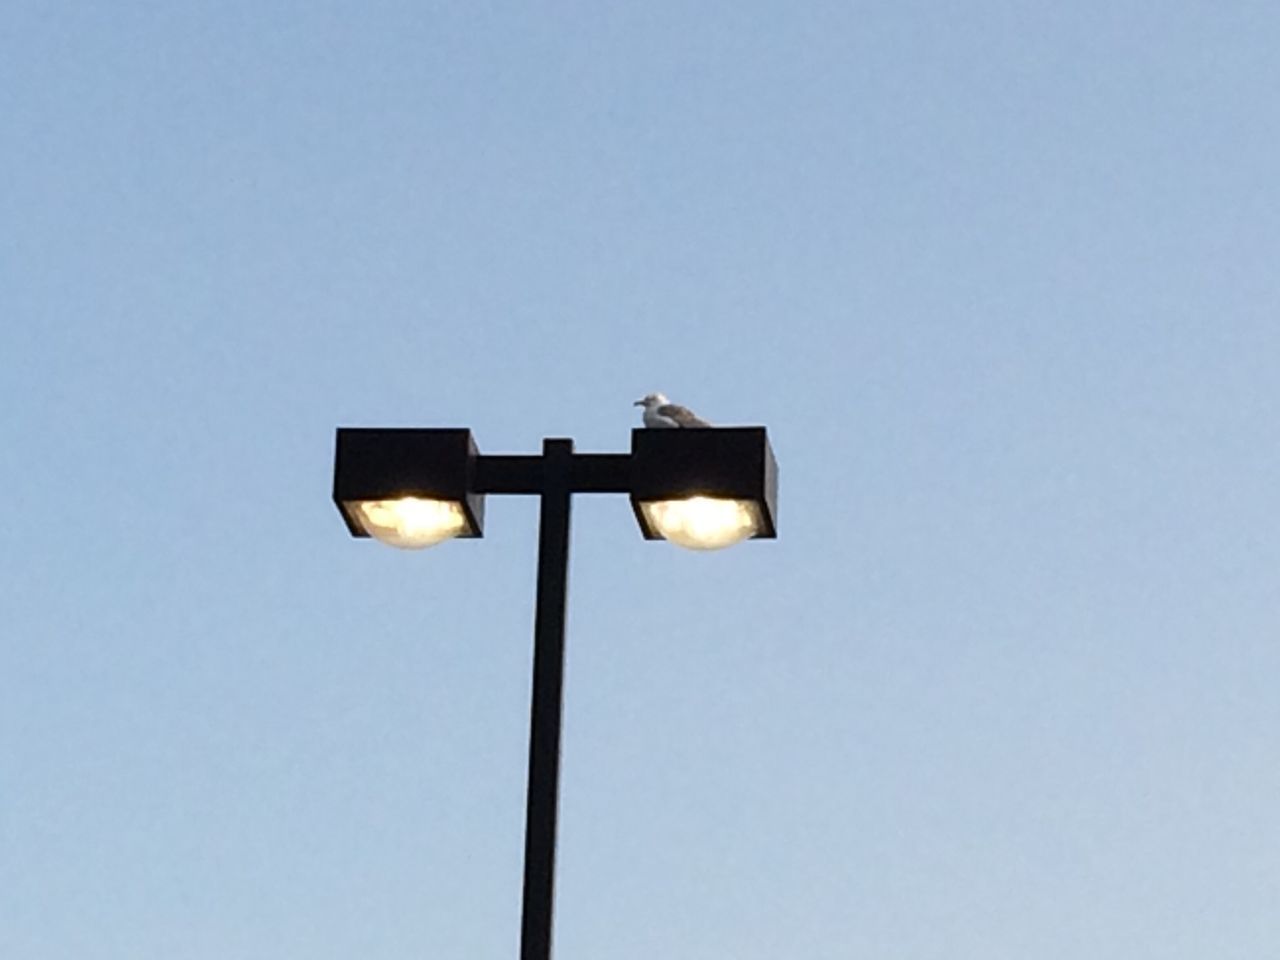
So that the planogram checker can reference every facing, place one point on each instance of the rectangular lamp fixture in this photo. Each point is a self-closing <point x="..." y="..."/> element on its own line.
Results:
<point x="704" y="488"/>
<point x="409" y="488"/>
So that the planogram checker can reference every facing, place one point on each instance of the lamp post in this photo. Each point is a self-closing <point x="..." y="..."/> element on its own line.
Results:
<point x="702" y="489"/>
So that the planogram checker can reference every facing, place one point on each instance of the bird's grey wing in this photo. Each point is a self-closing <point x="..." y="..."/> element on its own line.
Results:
<point x="681" y="416"/>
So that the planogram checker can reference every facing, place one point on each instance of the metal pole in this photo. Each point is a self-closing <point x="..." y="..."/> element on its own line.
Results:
<point x="548" y="685"/>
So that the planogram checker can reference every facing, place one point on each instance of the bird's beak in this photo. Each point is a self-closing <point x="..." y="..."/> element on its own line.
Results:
<point x="638" y="403"/>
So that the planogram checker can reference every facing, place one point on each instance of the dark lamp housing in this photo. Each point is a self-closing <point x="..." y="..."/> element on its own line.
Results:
<point x="407" y="487"/>
<point x="704" y="488"/>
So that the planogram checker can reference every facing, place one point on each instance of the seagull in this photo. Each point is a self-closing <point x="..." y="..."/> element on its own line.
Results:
<point x="659" y="412"/>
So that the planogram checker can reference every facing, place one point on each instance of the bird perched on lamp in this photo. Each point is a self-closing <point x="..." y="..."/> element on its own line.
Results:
<point x="662" y="413"/>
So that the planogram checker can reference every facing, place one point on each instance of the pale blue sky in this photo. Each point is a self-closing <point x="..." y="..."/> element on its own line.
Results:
<point x="1001" y="278"/>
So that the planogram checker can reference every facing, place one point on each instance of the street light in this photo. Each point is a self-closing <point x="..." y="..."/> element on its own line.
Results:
<point x="407" y="488"/>
<point x="703" y="489"/>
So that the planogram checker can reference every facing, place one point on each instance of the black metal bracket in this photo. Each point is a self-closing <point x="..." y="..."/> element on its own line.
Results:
<point x="525" y="474"/>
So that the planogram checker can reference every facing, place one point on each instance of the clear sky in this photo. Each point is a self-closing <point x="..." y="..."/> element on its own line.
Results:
<point x="1000" y="278"/>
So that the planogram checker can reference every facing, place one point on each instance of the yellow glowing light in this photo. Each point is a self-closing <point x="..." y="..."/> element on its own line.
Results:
<point x="411" y="523"/>
<point x="703" y="523"/>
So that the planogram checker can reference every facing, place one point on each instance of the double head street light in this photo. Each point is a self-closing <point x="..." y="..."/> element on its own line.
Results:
<point x="703" y="489"/>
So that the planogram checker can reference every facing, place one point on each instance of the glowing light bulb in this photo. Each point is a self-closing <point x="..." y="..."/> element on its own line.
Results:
<point x="411" y="523"/>
<point x="703" y="523"/>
